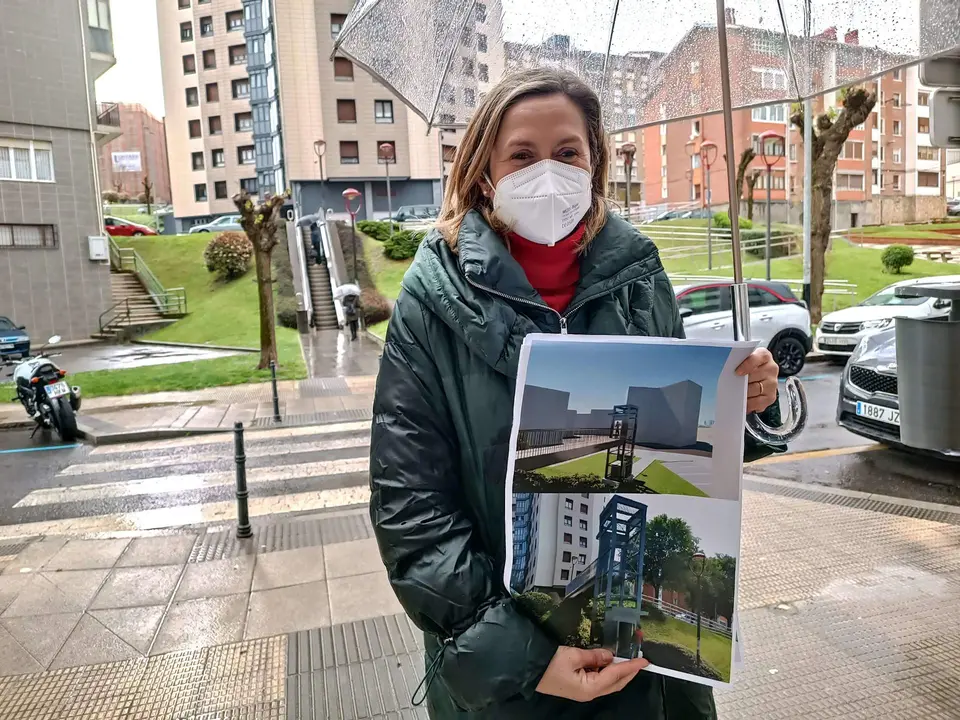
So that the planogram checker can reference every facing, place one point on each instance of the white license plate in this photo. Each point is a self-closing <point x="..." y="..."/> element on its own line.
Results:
<point x="6" y="347"/>
<point x="57" y="390"/>
<point x="878" y="412"/>
<point x="826" y="340"/>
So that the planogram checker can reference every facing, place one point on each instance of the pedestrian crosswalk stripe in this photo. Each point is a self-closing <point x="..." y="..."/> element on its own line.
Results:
<point x="226" y="437"/>
<point x="179" y="516"/>
<point x="255" y="451"/>
<point x="189" y="481"/>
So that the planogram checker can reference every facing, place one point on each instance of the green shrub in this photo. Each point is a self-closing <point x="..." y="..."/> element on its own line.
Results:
<point x="374" y="306"/>
<point x="722" y="220"/>
<point x="896" y="257"/>
<point x="286" y="310"/>
<point x="537" y="603"/>
<point x="402" y="245"/>
<point x="379" y="230"/>
<point x="228" y="255"/>
<point x="755" y="243"/>
<point x="110" y="196"/>
<point x="286" y="291"/>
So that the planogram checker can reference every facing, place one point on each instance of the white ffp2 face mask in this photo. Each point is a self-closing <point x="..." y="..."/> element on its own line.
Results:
<point x="544" y="202"/>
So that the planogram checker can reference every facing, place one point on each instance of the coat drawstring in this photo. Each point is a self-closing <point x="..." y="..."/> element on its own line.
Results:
<point x="430" y="675"/>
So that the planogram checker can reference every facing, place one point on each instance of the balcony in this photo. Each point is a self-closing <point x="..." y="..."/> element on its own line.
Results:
<point x="108" y="122"/>
<point x="100" y="48"/>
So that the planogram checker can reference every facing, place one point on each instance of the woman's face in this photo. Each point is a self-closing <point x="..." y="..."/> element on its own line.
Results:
<point x="547" y="127"/>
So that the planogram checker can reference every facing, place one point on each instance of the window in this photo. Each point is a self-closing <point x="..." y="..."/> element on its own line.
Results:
<point x="694" y="67"/>
<point x="583" y="559"/>
<point x="183" y="4"/>
<point x="583" y="525"/>
<point x="240" y="88"/>
<point x="898" y="126"/>
<point x="876" y="177"/>
<point x="768" y="44"/>
<point x="771" y="79"/>
<point x="896" y="182"/>
<point x="388" y="156"/>
<point x="217" y="159"/>
<point x="216" y="128"/>
<point x="567" y="538"/>
<point x="466" y="38"/>
<point x="770" y="113"/>
<point x="336" y="23"/>
<point x="200" y="192"/>
<point x="238" y="54"/>
<point x="26" y="160"/>
<point x="564" y="574"/>
<point x="566" y="556"/>
<point x="883" y="153"/>
<point x="206" y="26"/>
<point x="897" y="156"/>
<point x="568" y="504"/>
<point x="923" y="99"/>
<point x="213" y="93"/>
<point x="469" y="97"/>
<point x="197" y="160"/>
<point x="583" y="542"/>
<point x="928" y="153"/>
<point x="695" y="161"/>
<point x="250" y="185"/>
<point x="28" y="236"/>
<point x="923" y="125"/>
<point x="849" y="181"/>
<point x="706" y="300"/>
<point x="695" y="128"/>
<point x="483" y="72"/>
<point x="585" y="495"/>
<point x="875" y="151"/>
<point x="793" y="152"/>
<point x="186" y="31"/>
<point x="777" y="181"/>
<point x="243" y="122"/>
<point x="758" y="297"/>
<point x="898" y="74"/>
<point x="193" y="97"/>
<point x="220" y="189"/>
<point x="342" y="69"/>
<point x="852" y="150"/>
<point x="246" y="155"/>
<point x="346" y="111"/>
<point x="481" y="12"/>
<point x="349" y="152"/>
<point x="447" y="119"/>
<point x="209" y="60"/>
<point x="481" y="42"/>
<point x="928" y="179"/>
<point x="567" y="521"/>
<point x="467" y="67"/>
<point x="98" y="14"/>
<point x="189" y="64"/>
<point x="584" y="509"/>
<point x="194" y="128"/>
<point x="383" y="111"/>
<point x="234" y="20"/>
<point x="882" y="126"/>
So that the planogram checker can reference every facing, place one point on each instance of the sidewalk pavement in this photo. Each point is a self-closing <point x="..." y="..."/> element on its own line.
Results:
<point x="847" y="610"/>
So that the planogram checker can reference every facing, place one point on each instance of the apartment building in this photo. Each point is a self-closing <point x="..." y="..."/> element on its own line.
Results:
<point x="50" y="126"/>
<point x="142" y="149"/>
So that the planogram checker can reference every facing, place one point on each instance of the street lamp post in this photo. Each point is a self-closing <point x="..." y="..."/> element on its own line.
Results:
<point x="708" y="156"/>
<point x="387" y="153"/>
<point x="699" y="564"/>
<point x="771" y="151"/>
<point x="627" y="151"/>
<point x="692" y="152"/>
<point x="349" y="195"/>
<point x="319" y="146"/>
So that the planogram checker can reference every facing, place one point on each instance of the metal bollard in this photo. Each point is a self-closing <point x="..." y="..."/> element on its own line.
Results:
<point x="240" y="457"/>
<point x="276" y="396"/>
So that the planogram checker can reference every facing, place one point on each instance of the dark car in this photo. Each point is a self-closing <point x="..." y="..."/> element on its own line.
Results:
<point x="869" y="402"/>
<point x="14" y="341"/>
<point x="409" y="213"/>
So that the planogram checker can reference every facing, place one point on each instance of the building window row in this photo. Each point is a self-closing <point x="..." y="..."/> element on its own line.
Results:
<point x="28" y="236"/>
<point x="220" y="189"/>
<point x="347" y="111"/>
<point x="26" y="160"/>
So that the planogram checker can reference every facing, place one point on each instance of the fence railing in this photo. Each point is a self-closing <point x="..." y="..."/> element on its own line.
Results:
<point x="169" y="301"/>
<point x="541" y="442"/>
<point x="108" y="114"/>
<point x="830" y="287"/>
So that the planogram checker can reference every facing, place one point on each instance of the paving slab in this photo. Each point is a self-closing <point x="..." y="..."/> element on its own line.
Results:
<point x="287" y="609"/>
<point x="86" y="554"/>
<point x="92" y="644"/>
<point x="137" y="587"/>
<point x="10" y="587"/>
<point x="160" y="550"/>
<point x="353" y="558"/>
<point x="136" y="626"/>
<point x="359" y="597"/>
<point x="14" y="660"/>
<point x="35" y="556"/>
<point x="42" y="635"/>
<point x="216" y="578"/>
<point x="288" y="567"/>
<point x="54" y="593"/>
<point x="201" y="623"/>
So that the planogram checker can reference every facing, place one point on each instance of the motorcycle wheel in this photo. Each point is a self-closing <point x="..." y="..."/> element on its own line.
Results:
<point x="64" y="419"/>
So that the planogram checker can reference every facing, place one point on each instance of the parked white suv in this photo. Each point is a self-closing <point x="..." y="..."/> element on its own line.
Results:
<point x="778" y="319"/>
<point x="840" y="332"/>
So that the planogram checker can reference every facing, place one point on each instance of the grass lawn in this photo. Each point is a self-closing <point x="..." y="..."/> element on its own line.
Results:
<point x="386" y="273"/>
<point x="715" y="648"/>
<point x="928" y="230"/>
<point x="129" y="212"/>
<point x="657" y="476"/>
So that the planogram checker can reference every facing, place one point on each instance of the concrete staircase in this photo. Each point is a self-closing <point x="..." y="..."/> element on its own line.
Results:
<point x="134" y="312"/>
<point x="324" y="313"/>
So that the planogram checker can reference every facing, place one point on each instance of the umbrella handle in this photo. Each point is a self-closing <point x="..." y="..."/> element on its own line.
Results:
<point x="792" y="425"/>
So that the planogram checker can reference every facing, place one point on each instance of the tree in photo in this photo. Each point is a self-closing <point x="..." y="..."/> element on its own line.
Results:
<point x="830" y="132"/>
<point x="264" y="225"/>
<point x="669" y="545"/>
<point x="749" y="176"/>
<point x="148" y="194"/>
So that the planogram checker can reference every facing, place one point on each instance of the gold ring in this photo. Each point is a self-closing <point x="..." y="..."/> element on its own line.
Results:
<point x="760" y="383"/>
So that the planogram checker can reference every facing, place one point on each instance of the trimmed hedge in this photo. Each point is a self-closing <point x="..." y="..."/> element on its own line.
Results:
<point x="379" y="230"/>
<point x="896" y="257"/>
<point x="374" y="306"/>
<point x="402" y="245"/>
<point x="228" y="255"/>
<point x="286" y="292"/>
<point x="722" y="220"/>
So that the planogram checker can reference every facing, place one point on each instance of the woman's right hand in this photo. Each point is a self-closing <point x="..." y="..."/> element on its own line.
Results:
<point x="584" y="675"/>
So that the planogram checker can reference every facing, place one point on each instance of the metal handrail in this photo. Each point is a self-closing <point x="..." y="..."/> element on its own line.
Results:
<point x="104" y="326"/>
<point x="129" y="259"/>
<point x="170" y="302"/>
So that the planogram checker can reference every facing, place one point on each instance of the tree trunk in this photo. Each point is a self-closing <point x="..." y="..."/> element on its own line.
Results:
<point x="751" y="184"/>
<point x="268" y="330"/>
<point x="820" y="231"/>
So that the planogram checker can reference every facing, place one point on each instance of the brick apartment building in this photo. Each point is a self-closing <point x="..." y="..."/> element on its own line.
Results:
<point x="140" y="132"/>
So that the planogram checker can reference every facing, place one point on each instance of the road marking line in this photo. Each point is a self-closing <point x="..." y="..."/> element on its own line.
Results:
<point x="253" y="452"/>
<point x="189" y="481"/>
<point x="813" y="454"/>
<point x="39" y="449"/>
<point x="226" y="437"/>
<point x="191" y="514"/>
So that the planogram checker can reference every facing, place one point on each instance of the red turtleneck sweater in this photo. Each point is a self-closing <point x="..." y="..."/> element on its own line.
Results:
<point x="553" y="271"/>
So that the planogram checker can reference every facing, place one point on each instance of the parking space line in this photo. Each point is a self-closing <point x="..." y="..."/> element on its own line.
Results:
<point x="38" y="449"/>
<point x="813" y="454"/>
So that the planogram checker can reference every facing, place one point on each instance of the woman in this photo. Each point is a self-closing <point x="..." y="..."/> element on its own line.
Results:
<point x="351" y="313"/>
<point x="524" y="244"/>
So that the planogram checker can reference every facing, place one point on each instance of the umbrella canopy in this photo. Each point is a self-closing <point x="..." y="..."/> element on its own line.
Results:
<point x="341" y="291"/>
<point x="649" y="60"/>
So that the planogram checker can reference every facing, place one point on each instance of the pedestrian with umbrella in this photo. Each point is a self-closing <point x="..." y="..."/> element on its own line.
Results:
<point x="525" y="243"/>
<point x="349" y="296"/>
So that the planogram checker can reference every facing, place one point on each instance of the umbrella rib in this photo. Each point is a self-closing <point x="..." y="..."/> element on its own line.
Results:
<point x="345" y="32"/>
<point x="446" y="66"/>
<point x="790" y="57"/>
<point x="606" y="57"/>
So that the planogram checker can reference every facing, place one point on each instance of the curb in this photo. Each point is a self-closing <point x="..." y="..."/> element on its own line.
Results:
<point x="380" y="341"/>
<point x="196" y="346"/>
<point x="819" y="358"/>
<point x="125" y="436"/>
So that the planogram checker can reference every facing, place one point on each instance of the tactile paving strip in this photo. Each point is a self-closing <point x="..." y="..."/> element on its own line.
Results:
<point x="277" y="536"/>
<point x="319" y="418"/>
<point x="364" y="670"/>
<point x="324" y="387"/>
<point x="242" y="681"/>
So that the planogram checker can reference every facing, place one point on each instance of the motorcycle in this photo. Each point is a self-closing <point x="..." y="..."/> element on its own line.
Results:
<point x="48" y="399"/>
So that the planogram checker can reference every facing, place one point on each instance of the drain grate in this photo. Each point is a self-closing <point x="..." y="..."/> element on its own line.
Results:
<point x="275" y="537"/>
<point x="11" y="549"/>
<point x="364" y="670"/>
<point x="858" y="503"/>
<point x="319" y="418"/>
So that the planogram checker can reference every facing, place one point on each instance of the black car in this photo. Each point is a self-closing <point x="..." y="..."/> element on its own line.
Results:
<point x="869" y="403"/>
<point x="14" y="341"/>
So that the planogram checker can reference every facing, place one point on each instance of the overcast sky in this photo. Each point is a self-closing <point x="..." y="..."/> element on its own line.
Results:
<point x="715" y="522"/>
<point x="136" y="76"/>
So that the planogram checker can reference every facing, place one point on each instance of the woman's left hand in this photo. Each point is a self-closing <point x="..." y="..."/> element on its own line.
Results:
<point x="762" y="372"/>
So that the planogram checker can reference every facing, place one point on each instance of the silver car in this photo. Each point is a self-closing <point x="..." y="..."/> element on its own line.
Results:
<point x="221" y="224"/>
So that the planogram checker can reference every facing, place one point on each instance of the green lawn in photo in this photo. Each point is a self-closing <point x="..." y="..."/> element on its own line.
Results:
<point x="920" y="230"/>
<point x="715" y="649"/>
<point x="657" y="476"/>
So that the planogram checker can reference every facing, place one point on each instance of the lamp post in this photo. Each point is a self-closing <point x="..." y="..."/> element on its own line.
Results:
<point x="708" y="156"/>
<point x="349" y="195"/>
<point x="699" y="564"/>
<point x="388" y="155"/>
<point x="692" y="152"/>
<point x="627" y="151"/>
<point x="771" y="151"/>
<point x="319" y="146"/>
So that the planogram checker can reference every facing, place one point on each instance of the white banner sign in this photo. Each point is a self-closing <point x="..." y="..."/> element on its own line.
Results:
<point x="126" y="162"/>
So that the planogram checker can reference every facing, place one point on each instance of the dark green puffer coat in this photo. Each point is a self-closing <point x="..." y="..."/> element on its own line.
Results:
<point x="438" y="459"/>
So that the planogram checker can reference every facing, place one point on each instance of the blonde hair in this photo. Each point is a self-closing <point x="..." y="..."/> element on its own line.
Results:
<point x="464" y="192"/>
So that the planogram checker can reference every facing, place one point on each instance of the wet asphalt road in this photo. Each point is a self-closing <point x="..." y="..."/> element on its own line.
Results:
<point x="102" y="356"/>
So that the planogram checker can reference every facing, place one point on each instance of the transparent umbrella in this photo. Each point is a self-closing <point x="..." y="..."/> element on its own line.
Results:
<point x="650" y="61"/>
